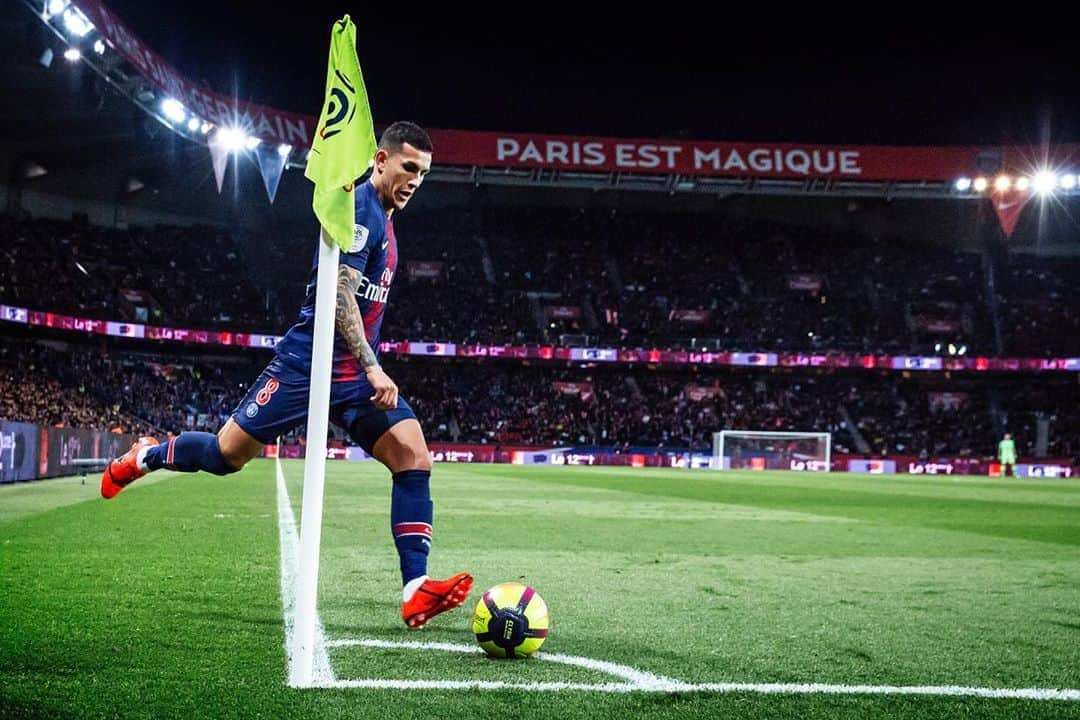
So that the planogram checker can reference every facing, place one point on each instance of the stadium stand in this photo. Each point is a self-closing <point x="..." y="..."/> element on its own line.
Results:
<point x="511" y="403"/>
<point x="548" y="275"/>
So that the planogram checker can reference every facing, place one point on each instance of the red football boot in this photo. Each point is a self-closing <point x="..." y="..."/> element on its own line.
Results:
<point x="434" y="597"/>
<point x="125" y="469"/>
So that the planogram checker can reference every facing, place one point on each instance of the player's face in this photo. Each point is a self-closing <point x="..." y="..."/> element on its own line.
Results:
<point x="401" y="171"/>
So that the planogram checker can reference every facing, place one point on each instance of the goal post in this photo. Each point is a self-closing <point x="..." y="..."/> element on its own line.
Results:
<point x="767" y="450"/>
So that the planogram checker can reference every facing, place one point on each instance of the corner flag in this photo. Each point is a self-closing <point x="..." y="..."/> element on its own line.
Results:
<point x="344" y="142"/>
<point x="340" y="153"/>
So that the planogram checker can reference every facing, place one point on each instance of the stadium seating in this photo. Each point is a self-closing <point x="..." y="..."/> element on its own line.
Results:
<point x="509" y="403"/>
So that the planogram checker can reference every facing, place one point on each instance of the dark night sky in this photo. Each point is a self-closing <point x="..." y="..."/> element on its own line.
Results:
<point x="904" y="79"/>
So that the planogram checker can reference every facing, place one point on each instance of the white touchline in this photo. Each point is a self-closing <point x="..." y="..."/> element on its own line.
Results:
<point x="321" y="672"/>
<point x="639" y="681"/>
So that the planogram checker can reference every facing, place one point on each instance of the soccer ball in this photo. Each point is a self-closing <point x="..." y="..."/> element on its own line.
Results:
<point x="511" y="621"/>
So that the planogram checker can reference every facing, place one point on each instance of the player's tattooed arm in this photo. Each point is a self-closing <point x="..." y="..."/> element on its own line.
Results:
<point x="347" y="318"/>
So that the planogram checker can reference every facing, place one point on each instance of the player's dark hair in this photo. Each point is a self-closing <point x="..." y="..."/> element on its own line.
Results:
<point x="403" y="132"/>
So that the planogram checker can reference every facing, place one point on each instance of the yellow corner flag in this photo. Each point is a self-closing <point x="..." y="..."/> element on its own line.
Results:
<point x="344" y="142"/>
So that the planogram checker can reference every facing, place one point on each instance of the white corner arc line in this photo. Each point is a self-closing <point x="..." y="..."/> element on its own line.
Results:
<point x="635" y="677"/>
<point x="321" y="671"/>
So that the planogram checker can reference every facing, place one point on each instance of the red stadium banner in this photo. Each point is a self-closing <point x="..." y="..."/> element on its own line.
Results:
<point x="583" y="390"/>
<point x="562" y="312"/>
<point x="697" y="393"/>
<point x="938" y="326"/>
<point x="742" y="159"/>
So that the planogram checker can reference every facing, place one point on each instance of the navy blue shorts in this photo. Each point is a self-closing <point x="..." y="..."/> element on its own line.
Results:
<point x="278" y="402"/>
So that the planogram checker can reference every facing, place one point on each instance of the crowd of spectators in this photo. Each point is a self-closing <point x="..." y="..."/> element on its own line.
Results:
<point x="164" y="275"/>
<point x="32" y="391"/>
<point x="1039" y="306"/>
<point x="570" y="276"/>
<point x="508" y="402"/>
<point x="134" y="393"/>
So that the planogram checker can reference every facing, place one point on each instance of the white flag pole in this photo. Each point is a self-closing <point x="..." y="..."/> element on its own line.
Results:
<point x="303" y="650"/>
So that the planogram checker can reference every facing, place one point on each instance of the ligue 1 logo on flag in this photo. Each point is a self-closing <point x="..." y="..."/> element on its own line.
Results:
<point x="346" y="122"/>
<point x="338" y="105"/>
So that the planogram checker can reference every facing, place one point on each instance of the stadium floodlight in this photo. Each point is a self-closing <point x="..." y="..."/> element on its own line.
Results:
<point x="1044" y="182"/>
<point x="252" y="142"/>
<point x="233" y="139"/>
<point x="72" y="54"/>
<point x="99" y="47"/>
<point x="205" y="127"/>
<point x="1002" y="183"/>
<point x="980" y="184"/>
<point x="55" y="7"/>
<point x="76" y="23"/>
<point x="962" y="184"/>
<point x="284" y="149"/>
<point x="1022" y="183"/>
<point x="173" y="110"/>
<point x="962" y="350"/>
<point x="193" y="124"/>
<point x="1068" y="181"/>
<point x="937" y="347"/>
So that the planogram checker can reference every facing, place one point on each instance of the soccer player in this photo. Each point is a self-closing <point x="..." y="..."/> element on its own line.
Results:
<point x="363" y="399"/>
<point x="1007" y="455"/>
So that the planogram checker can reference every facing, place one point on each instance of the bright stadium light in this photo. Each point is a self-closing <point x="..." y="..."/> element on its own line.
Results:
<point x="99" y="47"/>
<point x="252" y="142"/>
<point x="72" y="54"/>
<point x="962" y="350"/>
<point x="205" y="128"/>
<point x="283" y="150"/>
<point x="55" y="7"/>
<point x="937" y="347"/>
<point x="76" y="23"/>
<point x="980" y="184"/>
<point x="963" y="184"/>
<point x="1022" y="184"/>
<point x="1002" y="183"/>
<point x="173" y="110"/>
<point x="193" y="124"/>
<point x="1044" y="182"/>
<point x="952" y="349"/>
<point x="233" y="139"/>
<point x="1068" y="181"/>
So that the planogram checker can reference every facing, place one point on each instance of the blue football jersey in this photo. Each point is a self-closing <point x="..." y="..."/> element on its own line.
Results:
<point x="374" y="254"/>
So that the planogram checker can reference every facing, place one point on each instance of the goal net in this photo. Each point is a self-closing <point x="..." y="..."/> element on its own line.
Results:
<point x="763" y="450"/>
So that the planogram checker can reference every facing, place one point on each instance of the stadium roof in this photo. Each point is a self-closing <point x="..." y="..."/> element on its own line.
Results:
<point x="748" y="84"/>
<point x="769" y="76"/>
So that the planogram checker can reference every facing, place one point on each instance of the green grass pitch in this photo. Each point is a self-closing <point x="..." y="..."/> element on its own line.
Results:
<point x="167" y="601"/>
